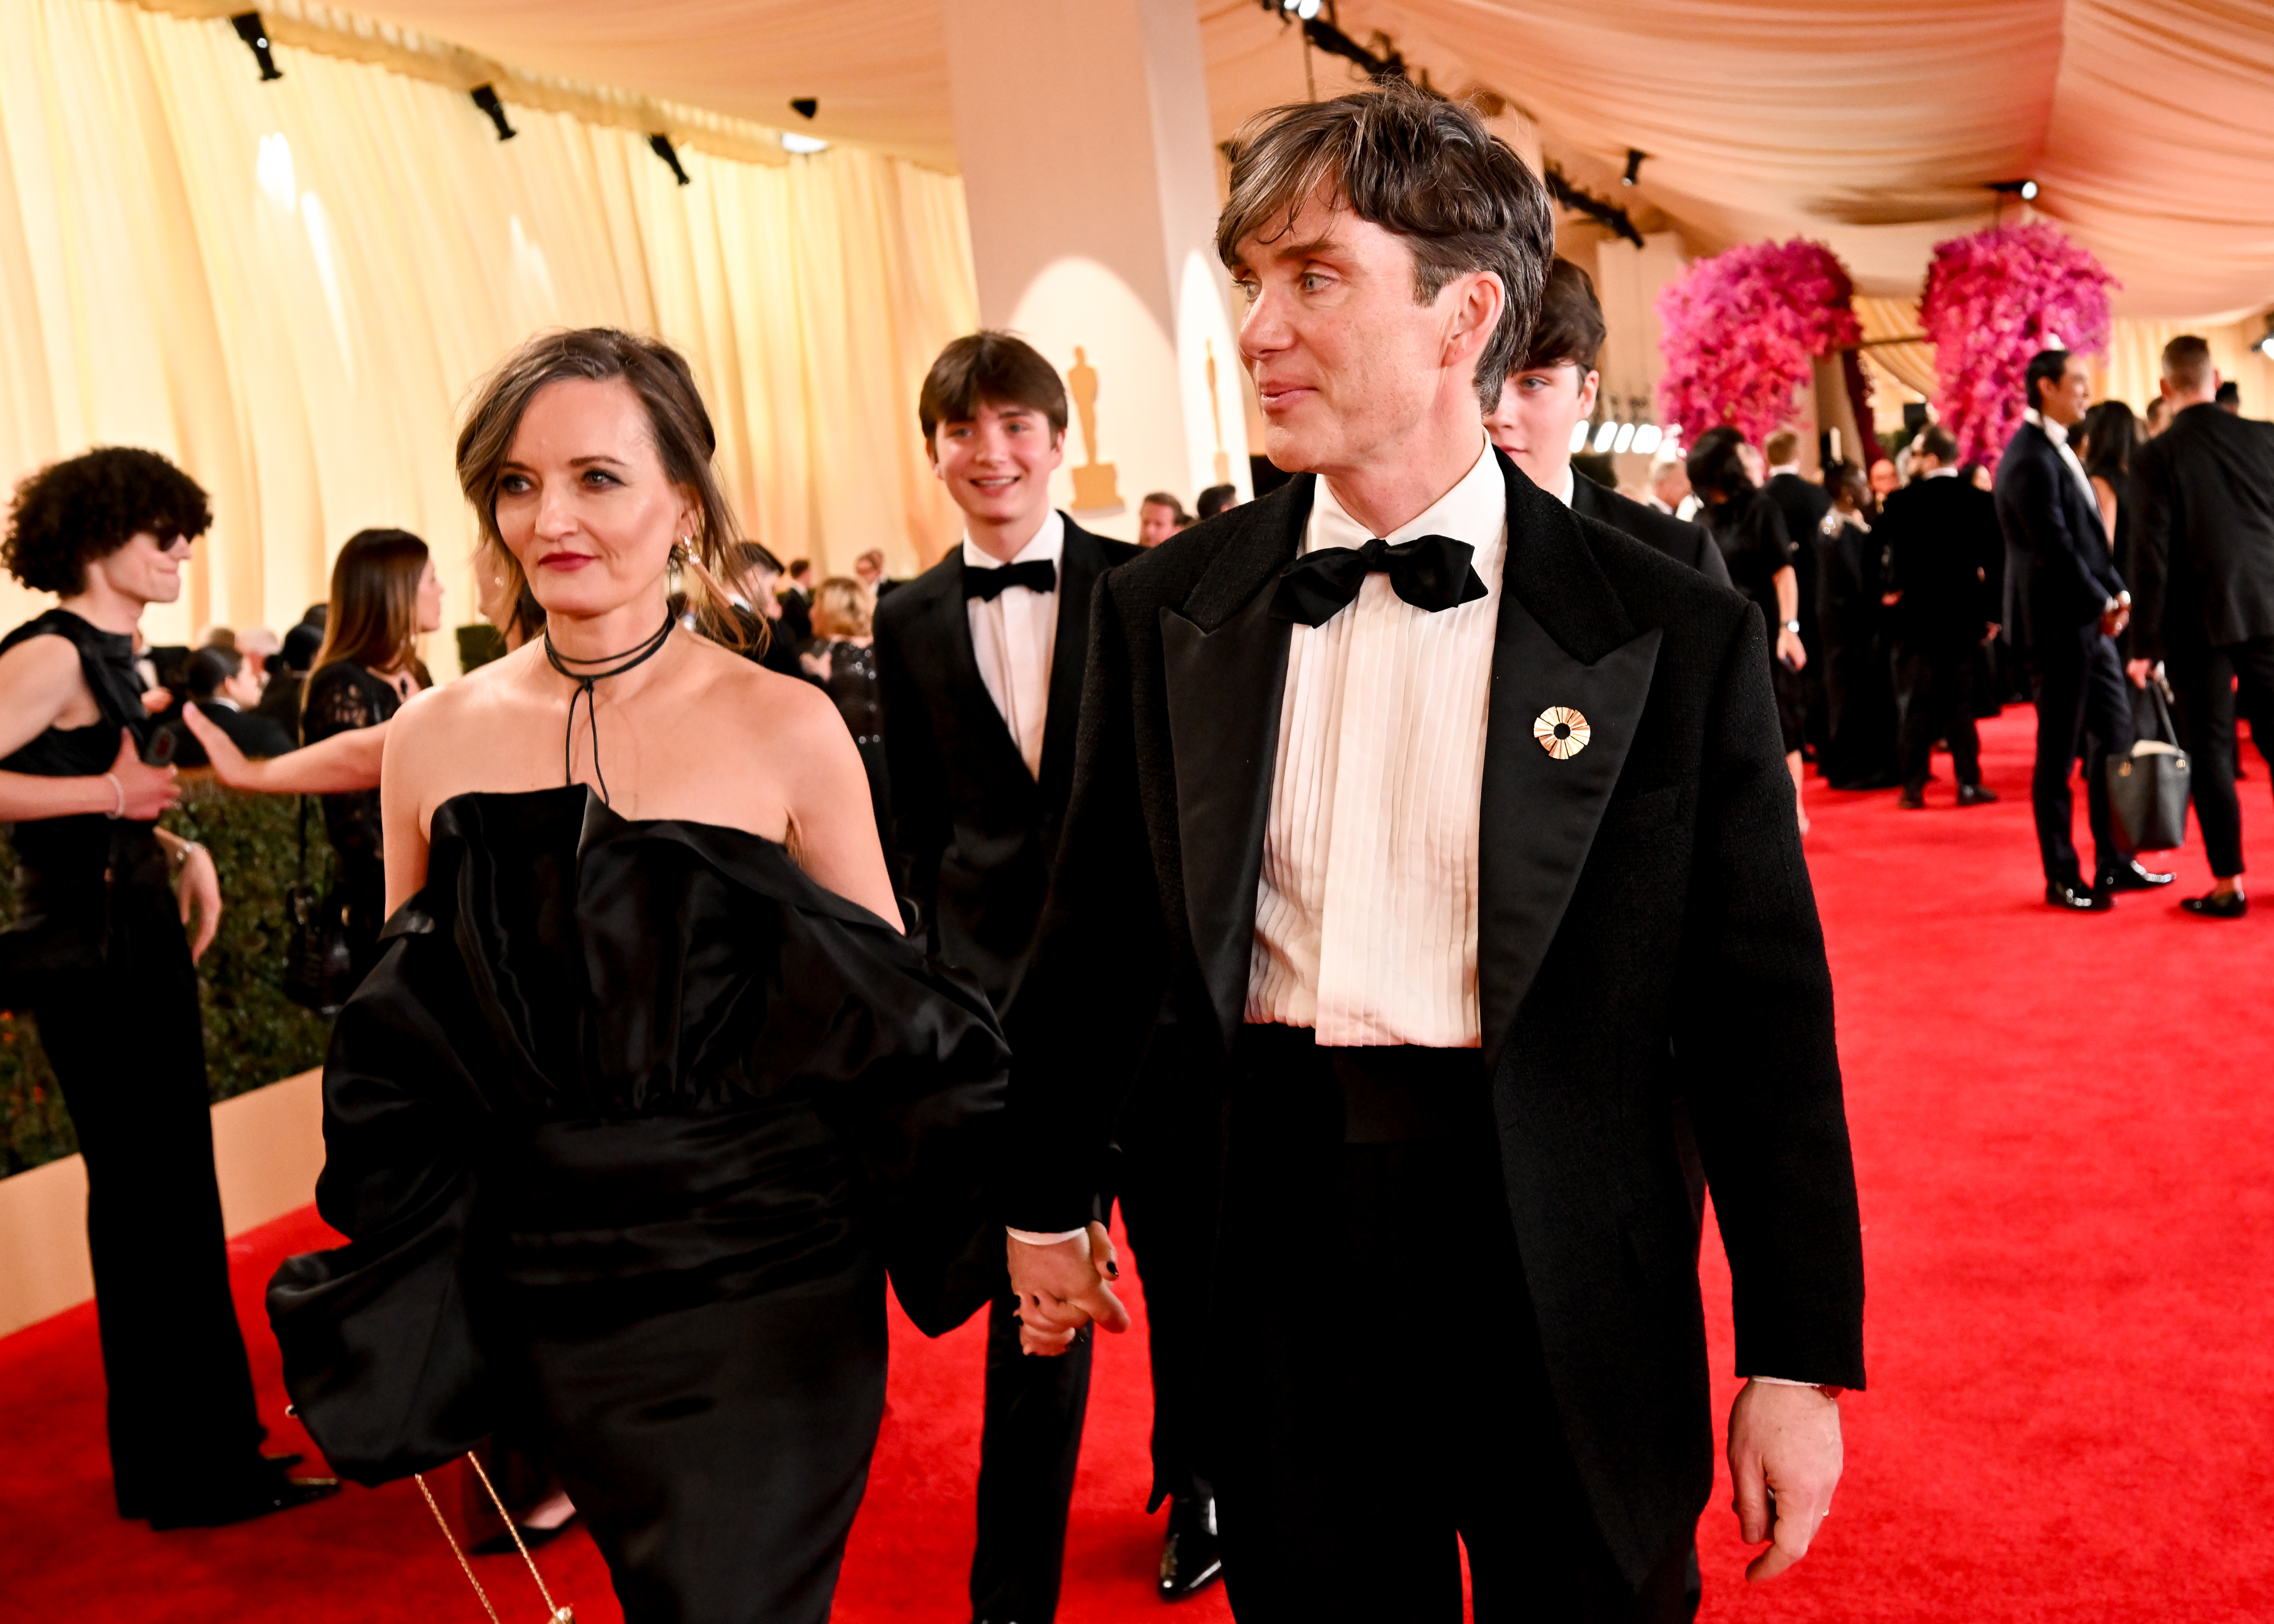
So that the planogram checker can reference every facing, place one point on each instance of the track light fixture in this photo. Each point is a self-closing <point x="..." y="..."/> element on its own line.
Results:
<point x="2025" y="190"/>
<point x="485" y="97"/>
<point x="248" y="27"/>
<point x="2265" y="345"/>
<point x="804" y="106"/>
<point x="661" y="146"/>
<point x="1635" y="156"/>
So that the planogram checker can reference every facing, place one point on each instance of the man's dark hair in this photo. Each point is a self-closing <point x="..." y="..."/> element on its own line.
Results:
<point x="209" y="668"/>
<point x="70" y="513"/>
<point x="1414" y="164"/>
<point x="2186" y="362"/>
<point x="1716" y="466"/>
<point x="1570" y="323"/>
<point x="989" y="369"/>
<point x="1164" y="499"/>
<point x="2046" y="366"/>
<point x="1940" y="444"/>
<point x="2229" y="395"/>
<point x="798" y="566"/>
<point x="2112" y="434"/>
<point x="1215" y="500"/>
<point x="745" y="556"/>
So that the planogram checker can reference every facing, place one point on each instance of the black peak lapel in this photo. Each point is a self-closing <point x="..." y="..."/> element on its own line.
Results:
<point x="1080" y="561"/>
<point x="949" y="630"/>
<point x="1563" y="642"/>
<point x="1224" y="671"/>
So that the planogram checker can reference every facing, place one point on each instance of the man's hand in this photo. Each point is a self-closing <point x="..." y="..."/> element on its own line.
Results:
<point x="1989" y="633"/>
<point x="1784" y="1459"/>
<point x="198" y="888"/>
<point x="156" y="700"/>
<point x="1791" y="650"/>
<point x="149" y="790"/>
<point x="2113" y="621"/>
<point x="2139" y="671"/>
<point x="1062" y="1288"/>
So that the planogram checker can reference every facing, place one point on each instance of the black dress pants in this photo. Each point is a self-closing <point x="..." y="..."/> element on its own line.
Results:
<point x="1934" y="680"/>
<point x="129" y="1050"/>
<point x="1027" y="1452"/>
<point x="2082" y="709"/>
<point x="1383" y="1391"/>
<point x="2203" y="682"/>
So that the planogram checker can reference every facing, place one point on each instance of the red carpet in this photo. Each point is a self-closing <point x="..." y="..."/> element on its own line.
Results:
<point x="2065" y="1132"/>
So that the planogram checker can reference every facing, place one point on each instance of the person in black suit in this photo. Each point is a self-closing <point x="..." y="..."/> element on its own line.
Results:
<point x="224" y="687"/>
<point x="1803" y="502"/>
<point x="1453" y="825"/>
<point x="1544" y="401"/>
<point x="1941" y="536"/>
<point x="2204" y="599"/>
<point x="761" y="618"/>
<point x="980" y="660"/>
<point x="796" y="595"/>
<point x="1859" y="722"/>
<point x="2065" y="604"/>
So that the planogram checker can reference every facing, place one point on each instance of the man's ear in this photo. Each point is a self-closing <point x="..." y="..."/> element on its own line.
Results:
<point x="1476" y="314"/>
<point x="1591" y="382"/>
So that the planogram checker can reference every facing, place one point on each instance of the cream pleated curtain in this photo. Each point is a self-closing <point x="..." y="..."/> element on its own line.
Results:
<point x="290" y="287"/>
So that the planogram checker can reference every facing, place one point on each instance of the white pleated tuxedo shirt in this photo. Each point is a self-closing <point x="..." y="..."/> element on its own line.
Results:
<point x="1015" y="636"/>
<point x="1366" y="908"/>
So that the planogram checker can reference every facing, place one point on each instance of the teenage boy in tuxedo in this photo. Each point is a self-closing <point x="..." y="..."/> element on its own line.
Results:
<point x="1457" y="827"/>
<point x="980" y="662"/>
<point x="1546" y="399"/>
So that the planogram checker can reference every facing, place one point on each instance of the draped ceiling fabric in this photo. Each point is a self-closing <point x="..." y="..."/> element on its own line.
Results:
<point x="1875" y="129"/>
<point x="290" y="287"/>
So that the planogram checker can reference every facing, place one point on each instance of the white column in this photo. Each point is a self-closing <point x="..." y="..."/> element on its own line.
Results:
<point x="1090" y="175"/>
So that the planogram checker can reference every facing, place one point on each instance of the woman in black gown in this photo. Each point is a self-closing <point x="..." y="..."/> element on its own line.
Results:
<point x="647" y="1092"/>
<point x="1747" y="526"/>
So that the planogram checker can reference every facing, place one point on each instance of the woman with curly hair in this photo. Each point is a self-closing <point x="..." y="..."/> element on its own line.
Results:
<point x="104" y="896"/>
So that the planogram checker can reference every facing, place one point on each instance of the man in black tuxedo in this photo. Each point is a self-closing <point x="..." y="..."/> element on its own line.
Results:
<point x="2065" y="604"/>
<point x="1544" y="401"/>
<point x="1942" y="548"/>
<point x="980" y="659"/>
<point x="1457" y="829"/>
<point x="2204" y="546"/>
<point x="224" y="686"/>
<point x="796" y="596"/>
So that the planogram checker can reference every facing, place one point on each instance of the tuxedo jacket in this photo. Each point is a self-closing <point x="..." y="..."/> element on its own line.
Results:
<point x="1678" y="538"/>
<point x="257" y="735"/>
<point x="1945" y="556"/>
<point x="1647" y="931"/>
<point x="2202" y="541"/>
<point x="1803" y="504"/>
<point x="973" y="831"/>
<point x="2059" y="573"/>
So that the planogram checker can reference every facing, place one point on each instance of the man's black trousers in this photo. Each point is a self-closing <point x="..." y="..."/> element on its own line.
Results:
<point x="1934" y="686"/>
<point x="1382" y="1391"/>
<point x="2203" y="682"/>
<point x="128" y="1048"/>
<point x="2082" y="709"/>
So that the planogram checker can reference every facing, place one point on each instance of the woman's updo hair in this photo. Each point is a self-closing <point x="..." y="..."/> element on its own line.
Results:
<point x="677" y="422"/>
<point x="1716" y="466"/>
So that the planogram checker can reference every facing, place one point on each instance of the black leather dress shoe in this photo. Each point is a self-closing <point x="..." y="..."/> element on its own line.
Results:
<point x="1193" y="1558"/>
<point x="2071" y="895"/>
<point x="265" y="1492"/>
<point x="2132" y="874"/>
<point x="2234" y="904"/>
<point x="1910" y="800"/>
<point x="1976" y="795"/>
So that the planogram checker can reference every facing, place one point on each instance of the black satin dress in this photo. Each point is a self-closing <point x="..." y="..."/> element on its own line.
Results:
<point x="626" y="1126"/>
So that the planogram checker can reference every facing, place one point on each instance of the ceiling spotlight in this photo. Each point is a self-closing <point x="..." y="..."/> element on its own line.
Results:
<point x="248" y="27"/>
<point x="791" y="141"/>
<point x="485" y="97"/>
<point x="2265" y="346"/>
<point x="661" y="146"/>
<point x="2024" y="190"/>
<point x="804" y="106"/>
<point x="1635" y="156"/>
<point x="1308" y="9"/>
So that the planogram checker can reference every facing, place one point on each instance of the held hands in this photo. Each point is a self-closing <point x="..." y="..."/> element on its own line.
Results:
<point x="2113" y="621"/>
<point x="198" y="888"/>
<point x="1784" y="1460"/>
<point x="1062" y="1288"/>
<point x="148" y="790"/>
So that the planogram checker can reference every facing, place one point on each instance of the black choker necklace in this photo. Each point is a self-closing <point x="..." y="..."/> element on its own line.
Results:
<point x="616" y="665"/>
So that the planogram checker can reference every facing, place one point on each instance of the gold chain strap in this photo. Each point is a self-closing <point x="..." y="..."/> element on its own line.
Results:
<point x="555" y="1615"/>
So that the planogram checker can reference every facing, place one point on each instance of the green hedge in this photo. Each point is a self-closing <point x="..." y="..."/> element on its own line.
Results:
<point x="254" y="1034"/>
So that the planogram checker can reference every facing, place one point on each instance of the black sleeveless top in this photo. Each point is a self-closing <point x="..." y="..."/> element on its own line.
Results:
<point x="65" y="866"/>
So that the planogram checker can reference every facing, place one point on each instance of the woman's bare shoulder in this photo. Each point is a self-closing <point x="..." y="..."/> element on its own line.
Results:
<point x="738" y="693"/>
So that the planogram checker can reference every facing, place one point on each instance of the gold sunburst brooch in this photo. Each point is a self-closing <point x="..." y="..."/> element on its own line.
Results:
<point x="1562" y="731"/>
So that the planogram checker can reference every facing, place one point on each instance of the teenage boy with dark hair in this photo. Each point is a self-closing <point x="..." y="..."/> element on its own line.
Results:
<point x="981" y="660"/>
<point x="1552" y="392"/>
<point x="98" y="956"/>
<point x="1454" y="825"/>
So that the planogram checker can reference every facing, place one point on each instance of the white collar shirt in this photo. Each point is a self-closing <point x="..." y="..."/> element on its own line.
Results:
<point x="1366" y="916"/>
<point x="1013" y="637"/>
<point x="2058" y="433"/>
<point x="1569" y="487"/>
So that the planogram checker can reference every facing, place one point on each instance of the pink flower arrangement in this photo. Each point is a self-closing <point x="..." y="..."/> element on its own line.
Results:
<point x="1740" y="328"/>
<point x="1994" y="299"/>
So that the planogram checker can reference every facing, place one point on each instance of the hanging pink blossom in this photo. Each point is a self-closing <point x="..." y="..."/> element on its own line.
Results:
<point x="1740" y="328"/>
<point x="1994" y="299"/>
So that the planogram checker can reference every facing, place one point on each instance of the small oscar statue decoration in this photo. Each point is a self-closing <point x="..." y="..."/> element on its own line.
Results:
<point x="1216" y="414"/>
<point x="1094" y="488"/>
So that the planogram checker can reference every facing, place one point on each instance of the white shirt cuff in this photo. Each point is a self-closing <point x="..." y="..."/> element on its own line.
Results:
<point x="1035" y="1237"/>
<point x="1782" y="1381"/>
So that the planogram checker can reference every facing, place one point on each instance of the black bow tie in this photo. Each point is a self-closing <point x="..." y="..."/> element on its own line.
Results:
<point x="1429" y="572"/>
<point x="1036" y="574"/>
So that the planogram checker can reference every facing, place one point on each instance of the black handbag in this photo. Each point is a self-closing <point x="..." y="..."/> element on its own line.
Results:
<point x="319" y="964"/>
<point x="2147" y="786"/>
